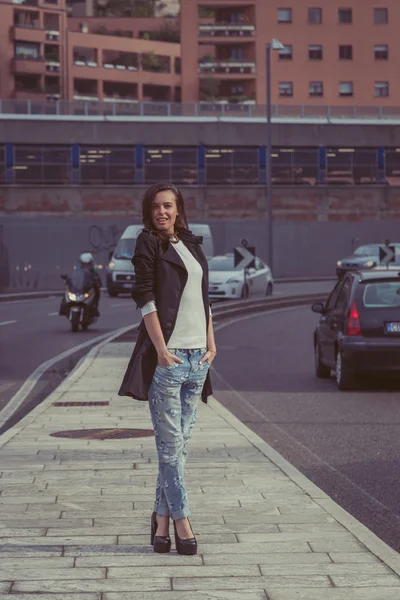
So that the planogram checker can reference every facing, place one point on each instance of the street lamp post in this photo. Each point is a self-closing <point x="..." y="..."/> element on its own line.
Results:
<point x="274" y="45"/>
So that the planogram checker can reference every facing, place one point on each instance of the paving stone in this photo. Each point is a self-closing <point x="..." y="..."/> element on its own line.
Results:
<point x="201" y="595"/>
<point x="274" y="558"/>
<point x="331" y="569"/>
<point x="365" y="580"/>
<point x="13" y="500"/>
<point x="138" y="560"/>
<point x="27" y="574"/>
<point x="39" y="596"/>
<point x="294" y="546"/>
<point x="150" y="584"/>
<point x="237" y="583"/>
<point x="15" y="550"/>
<point x="183" y="571"/>
<point x="341" y="535"/>
<point x="35" y="562"/>
<point x="17" y="532"/>
<point x="334" y="594"/>
<point x="353" y="557"/>
<point x="21" y="522"/>
<point x="4" y="586"/>
<point x="337" y="545"/>
<point x="65" y="540"/>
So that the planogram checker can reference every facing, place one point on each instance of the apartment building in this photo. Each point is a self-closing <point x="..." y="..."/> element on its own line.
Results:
<point x="337" y="52"/>
<point x="333" y="52"/>
<point x="32" y="49"/>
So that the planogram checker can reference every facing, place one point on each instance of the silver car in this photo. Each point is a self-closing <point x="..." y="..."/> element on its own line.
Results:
<point x="227" y="281"/>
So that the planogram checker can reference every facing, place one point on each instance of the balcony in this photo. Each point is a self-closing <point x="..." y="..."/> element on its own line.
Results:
<point x="212" y="65"/>
<point x="27" y="64"/>
<point x="226" y="30"/>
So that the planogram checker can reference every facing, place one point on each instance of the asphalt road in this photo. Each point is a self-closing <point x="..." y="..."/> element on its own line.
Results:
<point x="32" y="332"/>
<point x="348" y="443"/>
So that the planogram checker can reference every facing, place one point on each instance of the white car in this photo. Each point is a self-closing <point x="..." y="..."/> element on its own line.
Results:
<point x="226" y="281"/>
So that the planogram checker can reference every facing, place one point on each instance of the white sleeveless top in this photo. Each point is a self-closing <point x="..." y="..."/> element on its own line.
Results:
<point x="190" y="326"/>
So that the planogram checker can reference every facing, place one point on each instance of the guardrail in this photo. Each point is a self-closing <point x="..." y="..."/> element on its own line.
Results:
<point x="131" y="108"/>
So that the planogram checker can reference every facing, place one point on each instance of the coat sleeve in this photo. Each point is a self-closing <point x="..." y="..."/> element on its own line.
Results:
<point x="145" y="262"/>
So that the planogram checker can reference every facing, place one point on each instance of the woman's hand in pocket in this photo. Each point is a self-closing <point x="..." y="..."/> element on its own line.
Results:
<point x="166" y="359"/>
<point x="208" y="357"/>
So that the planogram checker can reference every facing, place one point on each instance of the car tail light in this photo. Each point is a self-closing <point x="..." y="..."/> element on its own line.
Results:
<point x="353" y="321"/>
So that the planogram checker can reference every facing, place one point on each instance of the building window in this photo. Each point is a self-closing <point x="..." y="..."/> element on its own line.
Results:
<point x="381" y="52"/>
<point x="381" y="89"/>
<point x="286" y="89"/>
<point x="107" y="164"/>
<point x="346" y="88"/>
<point x="316" y="89"/>
<point x="315" y="16"/>
<point x="286" y="53"/>
<point x="231" y="165"/>
<point x="346" y="52"/>
<point x="381" y="16"/>
<point x="345" y="15"/>
<point x="42" y="164"/>
<point x="169" y="163"/>
<point x="284" y="15"/>
<point x="27" y="51"/>
<point x="315" y="52"/>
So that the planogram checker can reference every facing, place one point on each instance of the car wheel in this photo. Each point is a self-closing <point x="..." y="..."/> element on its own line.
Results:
<point x="344" y="375"/>
<point x="113" y="294"/>
<point x="321" y="370"/>
<point x="245" y="292"/>
<point x="268" y="291"/>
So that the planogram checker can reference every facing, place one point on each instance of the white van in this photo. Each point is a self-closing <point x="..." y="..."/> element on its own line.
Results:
<point x="120" y="271"/>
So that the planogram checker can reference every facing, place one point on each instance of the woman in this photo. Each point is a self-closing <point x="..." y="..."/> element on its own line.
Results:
<point x="175" y="347"/>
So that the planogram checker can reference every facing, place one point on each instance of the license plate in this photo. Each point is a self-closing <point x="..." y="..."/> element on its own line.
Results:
<point x="127" y="285"/>
<point x="392" y="327"/>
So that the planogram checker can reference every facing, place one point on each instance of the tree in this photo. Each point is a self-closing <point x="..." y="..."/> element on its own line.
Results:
<point x="210" y="89"/>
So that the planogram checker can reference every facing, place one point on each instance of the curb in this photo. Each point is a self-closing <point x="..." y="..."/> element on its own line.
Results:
<point x="80" y="368"/>
<point x="384" y="552"/>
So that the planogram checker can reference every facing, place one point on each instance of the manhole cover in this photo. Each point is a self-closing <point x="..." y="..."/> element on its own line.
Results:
<point x="104" y="434"/>
<point x="81" y="403"/>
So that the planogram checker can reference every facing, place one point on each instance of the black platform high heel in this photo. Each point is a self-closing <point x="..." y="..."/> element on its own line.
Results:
<point x="187" y="547"/>
<point x="160" y="543"/>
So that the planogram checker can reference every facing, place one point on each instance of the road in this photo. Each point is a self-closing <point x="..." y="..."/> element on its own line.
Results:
<point x="348" y="443"/>
<point x="32" y="332"/>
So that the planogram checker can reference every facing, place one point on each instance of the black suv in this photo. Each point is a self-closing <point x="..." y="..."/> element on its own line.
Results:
<point x="359" y="328"/>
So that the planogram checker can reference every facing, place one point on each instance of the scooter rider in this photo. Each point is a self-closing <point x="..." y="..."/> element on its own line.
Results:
<point x="86" y="262"/>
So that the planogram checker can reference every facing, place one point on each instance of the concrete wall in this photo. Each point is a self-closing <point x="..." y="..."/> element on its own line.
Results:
<point x="35" y="250"/>
<point x="185" y="133"/>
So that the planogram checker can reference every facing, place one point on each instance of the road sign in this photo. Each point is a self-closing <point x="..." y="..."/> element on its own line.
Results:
<point x="244" y="257"/>
<point x="245" y="243"/>
<point x="387" y="254"/>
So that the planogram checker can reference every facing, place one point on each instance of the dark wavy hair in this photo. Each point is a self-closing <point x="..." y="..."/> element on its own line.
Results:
<point x="147" y="208"/>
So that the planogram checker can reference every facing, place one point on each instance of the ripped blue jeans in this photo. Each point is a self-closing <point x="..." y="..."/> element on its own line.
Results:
<point x="173" y="398"/>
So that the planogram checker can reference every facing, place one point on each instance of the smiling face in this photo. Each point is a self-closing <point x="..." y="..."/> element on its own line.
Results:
<point x="164" y="212"/>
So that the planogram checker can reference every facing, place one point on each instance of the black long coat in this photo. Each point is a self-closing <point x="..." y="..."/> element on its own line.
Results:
<point x="160" y="276"/>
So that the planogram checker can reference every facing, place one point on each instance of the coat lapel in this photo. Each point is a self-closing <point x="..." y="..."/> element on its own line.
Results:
<point x="172" y="256"/>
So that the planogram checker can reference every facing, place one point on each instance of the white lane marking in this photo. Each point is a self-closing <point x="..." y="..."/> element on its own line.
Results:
<point x="293" y="441"/>
<point x="17" y="400"/>
<point x="7" y="323"/>
<point x="53" y="314"/>
<point x="13" y="302"/>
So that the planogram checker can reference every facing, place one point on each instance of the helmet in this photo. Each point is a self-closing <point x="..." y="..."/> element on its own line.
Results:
<point x="86" y="260"/>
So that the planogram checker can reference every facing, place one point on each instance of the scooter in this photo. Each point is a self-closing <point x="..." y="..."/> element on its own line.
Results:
<point x="80" y="300"/>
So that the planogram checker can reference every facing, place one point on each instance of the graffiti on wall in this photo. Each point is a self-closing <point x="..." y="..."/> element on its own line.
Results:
<point x="103" y="239"/>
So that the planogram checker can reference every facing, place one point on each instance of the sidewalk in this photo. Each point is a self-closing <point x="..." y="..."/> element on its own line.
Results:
<point x="75" y="512"/>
